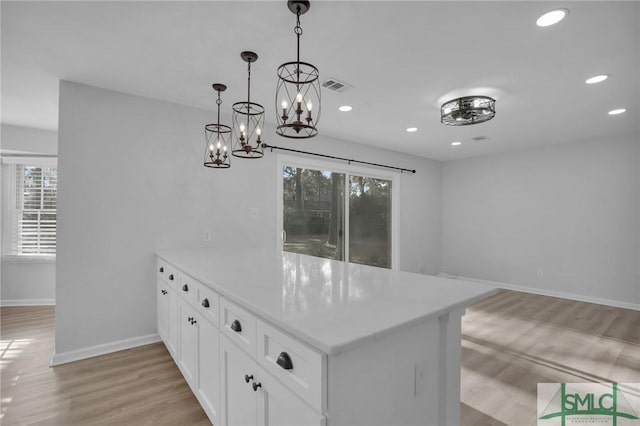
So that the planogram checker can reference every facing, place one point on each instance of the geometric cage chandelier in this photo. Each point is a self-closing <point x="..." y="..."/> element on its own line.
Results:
<point x="217" y="135"/>
<point x="298" y="89"/>
<point x="247" y="120"/>
<point x="467" y="110"/>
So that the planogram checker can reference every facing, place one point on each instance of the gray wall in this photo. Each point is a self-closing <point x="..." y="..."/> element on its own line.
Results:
<point x="569" y="210"/>
<point x="131" y="182"/>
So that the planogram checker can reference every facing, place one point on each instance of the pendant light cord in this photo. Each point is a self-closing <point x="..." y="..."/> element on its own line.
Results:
<point x="298" y="31"/>
<point x="218" y="102"/>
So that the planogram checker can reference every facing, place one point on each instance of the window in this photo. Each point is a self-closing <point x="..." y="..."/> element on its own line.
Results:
<point x="34" y="230"/>
<point x="338" y="214"/>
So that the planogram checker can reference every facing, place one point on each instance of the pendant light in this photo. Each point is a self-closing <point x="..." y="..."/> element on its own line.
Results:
<point x="467" y="110"/>
<point x="248" y="120"/>
<point x="298" y="89"/>
<point x="217" y="135"/>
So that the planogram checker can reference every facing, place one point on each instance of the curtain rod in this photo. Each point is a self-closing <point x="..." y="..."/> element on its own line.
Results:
<point x="349" y="160"/>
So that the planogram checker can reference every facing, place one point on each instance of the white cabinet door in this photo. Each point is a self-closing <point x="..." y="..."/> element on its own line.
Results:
<point x="278" y="406"/>
<point x="238" y="397"/>
<point x="209" y="369"/>
<point x="163" y="311"/>
<point x="188" y="343"/>
<point x="172" y="306"/>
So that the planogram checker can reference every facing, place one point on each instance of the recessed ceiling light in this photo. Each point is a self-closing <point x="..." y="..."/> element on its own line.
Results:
<point x="597" y="79"/>
<point x="345" y="108"/>
<point x="617" y="111"/>
<point x="456" y="143"/>
<point x="552" y="17"/>
<point x="412" y="129"/>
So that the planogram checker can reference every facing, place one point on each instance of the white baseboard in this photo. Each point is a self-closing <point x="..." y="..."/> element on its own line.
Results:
<point x="560" y="294"/>
<point x="105" y="348"/>
<point x="27" y="302"/>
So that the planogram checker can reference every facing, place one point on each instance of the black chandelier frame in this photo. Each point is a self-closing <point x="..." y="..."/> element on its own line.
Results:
<point x="299" y="85"/>
<point x="217" y="135"/>
<point x="248" y="120"/>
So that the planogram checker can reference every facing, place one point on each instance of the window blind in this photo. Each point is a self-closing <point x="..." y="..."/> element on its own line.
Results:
<point x="36" y="204"/>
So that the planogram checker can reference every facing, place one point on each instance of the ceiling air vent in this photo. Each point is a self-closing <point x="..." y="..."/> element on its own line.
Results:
<point x="480" y="138"/>
<point x="336" y="85"/>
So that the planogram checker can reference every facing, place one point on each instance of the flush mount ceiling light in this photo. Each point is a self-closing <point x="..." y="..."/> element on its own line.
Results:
<point x="345" y="108"/>
<point x="467" y="110"/>
<point x="217" y="135"/>
<point x="551" y="18"/>
<point x="456" y="143"/>
<point x="597" y="79"/>
<point x="248" y="120"/>
<point x="412" y="129"/>
<point x="617" y="111"/>
<point x="298" y="88"/>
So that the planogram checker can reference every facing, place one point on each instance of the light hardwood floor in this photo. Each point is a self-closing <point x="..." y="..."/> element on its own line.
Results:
<point x="510" y="342"/>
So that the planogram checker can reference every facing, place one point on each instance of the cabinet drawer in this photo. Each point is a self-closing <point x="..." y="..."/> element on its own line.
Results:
<point x="208" y="304"/>
<point x="300" y="367"/>
<point x="239" y="325"/>
<point x="188" y="288"/>
<point x="167" y="273"/>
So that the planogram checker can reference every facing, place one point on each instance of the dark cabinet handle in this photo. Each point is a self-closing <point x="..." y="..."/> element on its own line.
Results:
<point x="171" y="277"/>
<point x="255" y="386"/>
<point x="185" y="288"/>
<point x="161" y="269"/>
<point x="189" y="319"/>
<point x="247" y="378"/>
<point x="284" y="361"/>
<point x="193" y="321"/>
<point x="235" y="326"/>
<point x="205" y="303"/>
<point x="164" y="291"/>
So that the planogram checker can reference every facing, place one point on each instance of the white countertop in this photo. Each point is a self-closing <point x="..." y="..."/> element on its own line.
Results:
<point x="331" y="305"/>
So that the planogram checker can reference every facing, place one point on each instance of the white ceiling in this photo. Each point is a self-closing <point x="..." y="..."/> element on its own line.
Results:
<point x="403" y="59"/>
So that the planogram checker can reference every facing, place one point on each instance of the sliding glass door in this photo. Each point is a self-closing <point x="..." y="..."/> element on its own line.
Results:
<point x="337" y="215"/>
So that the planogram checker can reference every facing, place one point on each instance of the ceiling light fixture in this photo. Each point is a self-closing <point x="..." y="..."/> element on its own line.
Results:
<point x="345" y="108"/>
<point x="456" y="143"/>
<point x="248" y="120"/>
<point x="551" y="18"/>
<point x="467" y="110"/>
<point x="617" y="111"/>
<point x="597" y="79"/>
<point x="217" y="135"/>
<point x="412" y="129"/>
<point x="299" y="88"/>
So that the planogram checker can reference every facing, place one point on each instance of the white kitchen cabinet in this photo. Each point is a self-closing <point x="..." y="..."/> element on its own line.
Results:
<point x="265" y="345"/>
<point x="238" y="397"/>
<point x="209" y="369"/>
<point x="252" y="396"/>
<point x="279" y="406"/>
<point x="188" y="353"/>
<point x="167" y="315"/>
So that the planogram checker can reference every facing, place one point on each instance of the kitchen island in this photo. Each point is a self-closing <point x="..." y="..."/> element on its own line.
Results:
<point x="273" y="338"/>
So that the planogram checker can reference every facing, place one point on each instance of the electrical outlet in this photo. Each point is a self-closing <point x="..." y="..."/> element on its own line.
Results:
<point x="420" y="379"/>
<point x="207" y="235"/>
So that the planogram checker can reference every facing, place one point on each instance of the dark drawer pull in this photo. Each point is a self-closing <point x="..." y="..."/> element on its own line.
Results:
<point x="171" y="277"/>
<point x="161" y="269"/>
<point x="185" y="288"/>
<point x="248" y="377"/>
<point x="284" y="361"/>
<point x="255" y="386"/>
<point x="235" y="326"/>
<point x="205" y="303"/>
